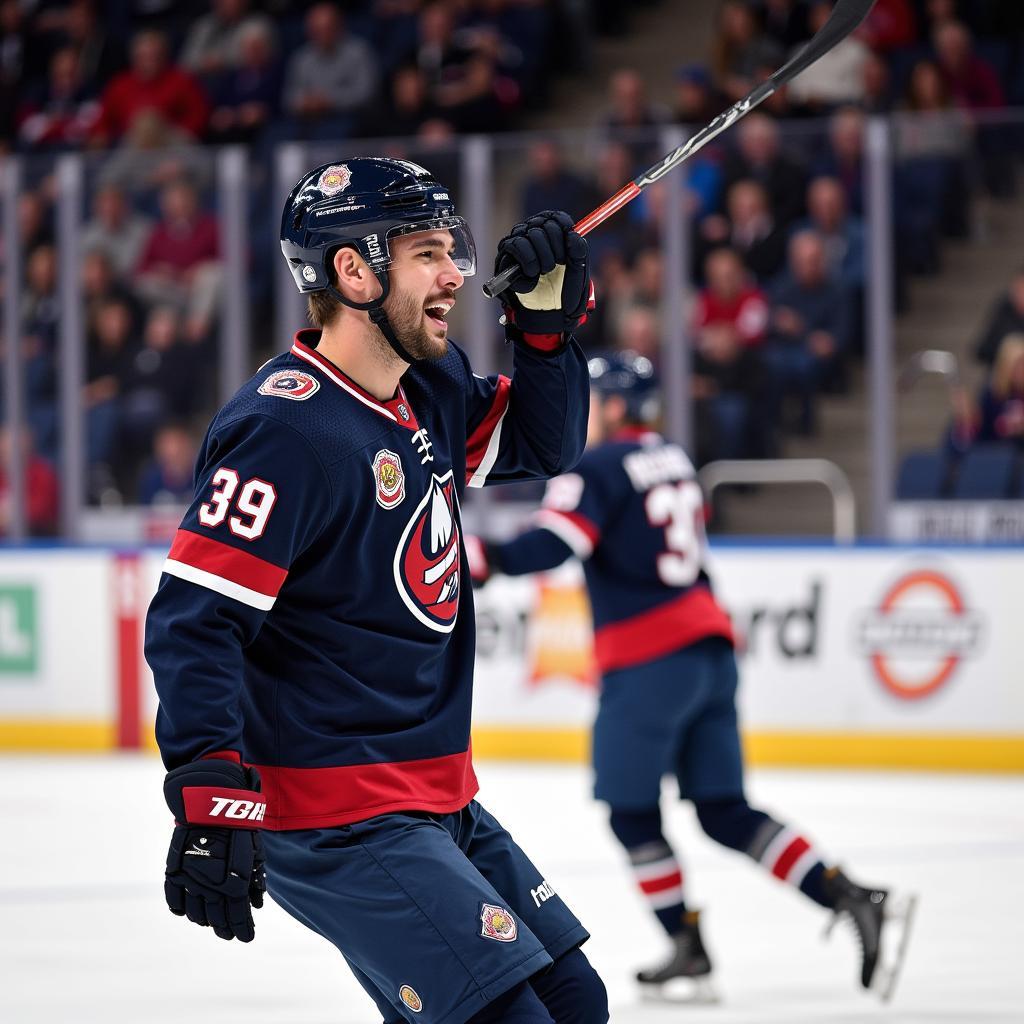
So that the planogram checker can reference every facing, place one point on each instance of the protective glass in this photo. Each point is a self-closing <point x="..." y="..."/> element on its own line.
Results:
<point x="463" y="250"/>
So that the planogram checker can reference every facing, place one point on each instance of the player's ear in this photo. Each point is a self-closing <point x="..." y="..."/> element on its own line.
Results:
<point x="355" y="279"/>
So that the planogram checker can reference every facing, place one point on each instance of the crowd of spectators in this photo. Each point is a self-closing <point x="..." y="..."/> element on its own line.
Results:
<point x="778" y="244"/>
<point x="145" y="91"/>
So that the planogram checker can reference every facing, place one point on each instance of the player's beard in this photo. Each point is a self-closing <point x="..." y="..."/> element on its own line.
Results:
<point x="408" y="321"/>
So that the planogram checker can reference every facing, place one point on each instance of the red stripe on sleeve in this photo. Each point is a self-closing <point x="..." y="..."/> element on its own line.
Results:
<point x="476" y="443"/>
<point x="789" y="856"/>
<point x="580" y="522"/>
<point x="543" y="342"/>
<point x="227" y="562"/>
<point x="653" y="885"/>
<point x="223" y="755"/>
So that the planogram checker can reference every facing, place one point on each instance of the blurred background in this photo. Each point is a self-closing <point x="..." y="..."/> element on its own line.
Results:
<point x="832" y="291"/>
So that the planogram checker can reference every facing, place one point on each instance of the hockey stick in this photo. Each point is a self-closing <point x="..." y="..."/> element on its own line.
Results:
<point x="845" y="17"/>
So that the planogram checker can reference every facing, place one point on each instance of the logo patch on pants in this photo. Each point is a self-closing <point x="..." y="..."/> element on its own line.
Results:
<point x="409" y="996"/>
<point x="497" y="923"/>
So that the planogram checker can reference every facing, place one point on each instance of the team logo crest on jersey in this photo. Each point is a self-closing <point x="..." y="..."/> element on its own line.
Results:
<point x="387" y="471"/>
<point x="293" y="384"/>
<point x="411" y="998"/>
<point x="427" y="564"/>
<point x="497" y="923"/>
<point x="334" y="180"/>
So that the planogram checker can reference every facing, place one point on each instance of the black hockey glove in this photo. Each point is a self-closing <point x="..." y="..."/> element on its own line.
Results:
<point x="215" y="863"/>
<point x="550" y="295"/>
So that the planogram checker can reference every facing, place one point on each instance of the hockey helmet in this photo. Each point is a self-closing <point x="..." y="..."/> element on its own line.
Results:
<point x="365" y="203"/>
<point x="630" y="376"/>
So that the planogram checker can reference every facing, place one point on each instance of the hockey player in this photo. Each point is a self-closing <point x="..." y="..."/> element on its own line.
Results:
<point x="632" y="511"/>
<point x="312" y="640"/>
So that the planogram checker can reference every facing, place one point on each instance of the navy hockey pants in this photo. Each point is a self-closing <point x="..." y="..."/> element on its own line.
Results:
<point x="676" y="715"/>
<point x="436" y="914"/>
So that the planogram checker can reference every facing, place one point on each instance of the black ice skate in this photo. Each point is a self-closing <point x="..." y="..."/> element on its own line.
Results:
<point x="881" y="923"/>
<point x="685" y="976"/>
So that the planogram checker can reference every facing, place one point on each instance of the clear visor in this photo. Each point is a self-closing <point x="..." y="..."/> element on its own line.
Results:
<point x="459" y="245"/>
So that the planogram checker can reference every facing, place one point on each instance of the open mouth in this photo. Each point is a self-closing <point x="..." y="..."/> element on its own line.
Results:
<point x="438" y="311"/>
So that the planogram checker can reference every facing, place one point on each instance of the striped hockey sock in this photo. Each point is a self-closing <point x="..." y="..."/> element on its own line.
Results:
<point x="791" y="858"/>
<point x="657" y="871"/>
<point x="659" y="876"/>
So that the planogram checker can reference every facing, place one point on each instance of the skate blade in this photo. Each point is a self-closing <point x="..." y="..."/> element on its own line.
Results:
<point x="901" y="916"/>
<point x="681" y="991"/>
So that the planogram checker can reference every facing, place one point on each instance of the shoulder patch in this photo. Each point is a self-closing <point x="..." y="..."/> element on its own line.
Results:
<point x="390" y="477"/>
<point x="292" y="384"/>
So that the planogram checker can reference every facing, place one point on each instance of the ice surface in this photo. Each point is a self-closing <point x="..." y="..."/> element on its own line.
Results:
<point x="85" y="936"/>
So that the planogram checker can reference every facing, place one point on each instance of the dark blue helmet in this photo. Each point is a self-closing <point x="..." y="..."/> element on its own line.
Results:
<point x="631" y="377"/>
<point x="364" y="203"/>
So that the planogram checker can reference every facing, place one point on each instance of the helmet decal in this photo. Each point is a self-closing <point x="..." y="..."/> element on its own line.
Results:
<point x="334" y="179"/>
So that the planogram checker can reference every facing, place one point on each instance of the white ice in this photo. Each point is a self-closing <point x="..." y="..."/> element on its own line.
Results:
<point x="84" y="935"/>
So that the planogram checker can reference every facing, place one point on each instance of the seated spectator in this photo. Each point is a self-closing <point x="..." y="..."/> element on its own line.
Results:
<point x="408" y="105"/>
<point x="330" y="79"/>
<point x="844" y="158"/>
<point x="111" y="349"/>
<point x="615" y="167"/>
<point x="999" y="414"/>
<point x="151" y="83"/>
<point x="99" y="52"/>
<point x="970" y="79"/>
<point x="1005" y="318"/>
<point x="835" y="78"/>
<point x="168" y="477"/>
<point x="784" y="22"/>
<point x="470" y="84"/>
<point x="629" y="107"/>
<point x="101" y="285"/>
<point x="214" y="43"/>
<point x="245" y="95"/>
<point x="640" y="332"/>
<point x="550" y="186"/>
<point x="696" y="102"/>
<point x="890" y="25"/>
<point x="169" y="378"/>
<point x="61" y="115"/>
<point x="180" y="262"/>
<point x="643" y="289"/>
<point x="749" y="228"/>
<point x="35" y="219"/>
<point x="810" y="327"/>
<point x="759" y="156"/>
<point x="740" y="50"/>
<point x="841" y="233"/>
<point x="116" y="230"/>
<point x="41" y="488"/>
<point x="730" y="302"/>
<point x="40" y="315"/>
<point x="938" y="128"/>
<point x="730" y="318"/>
<point x="876" y="85"/>
<point x="974" y="86"/>
<point x="153" y="154"/>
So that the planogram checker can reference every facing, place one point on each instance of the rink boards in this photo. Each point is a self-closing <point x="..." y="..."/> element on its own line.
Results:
<point x="862" y="656"/>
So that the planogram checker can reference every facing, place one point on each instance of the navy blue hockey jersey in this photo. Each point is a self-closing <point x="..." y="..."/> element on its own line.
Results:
<point x="312" y="619"/>
<point x="633" y="512"/>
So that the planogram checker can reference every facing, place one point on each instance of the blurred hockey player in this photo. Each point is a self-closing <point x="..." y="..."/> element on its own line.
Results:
<point x="312" y="640"/>
<point x="633" y="513"/>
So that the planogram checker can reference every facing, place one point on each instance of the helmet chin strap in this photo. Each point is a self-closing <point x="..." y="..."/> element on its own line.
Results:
<point x="378" y="317"/>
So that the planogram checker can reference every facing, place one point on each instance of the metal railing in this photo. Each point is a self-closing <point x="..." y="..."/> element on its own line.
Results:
<point x="790" y="471"/>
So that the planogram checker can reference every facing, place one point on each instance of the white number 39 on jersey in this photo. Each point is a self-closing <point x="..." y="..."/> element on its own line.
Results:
<point x="252" y="506"/>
